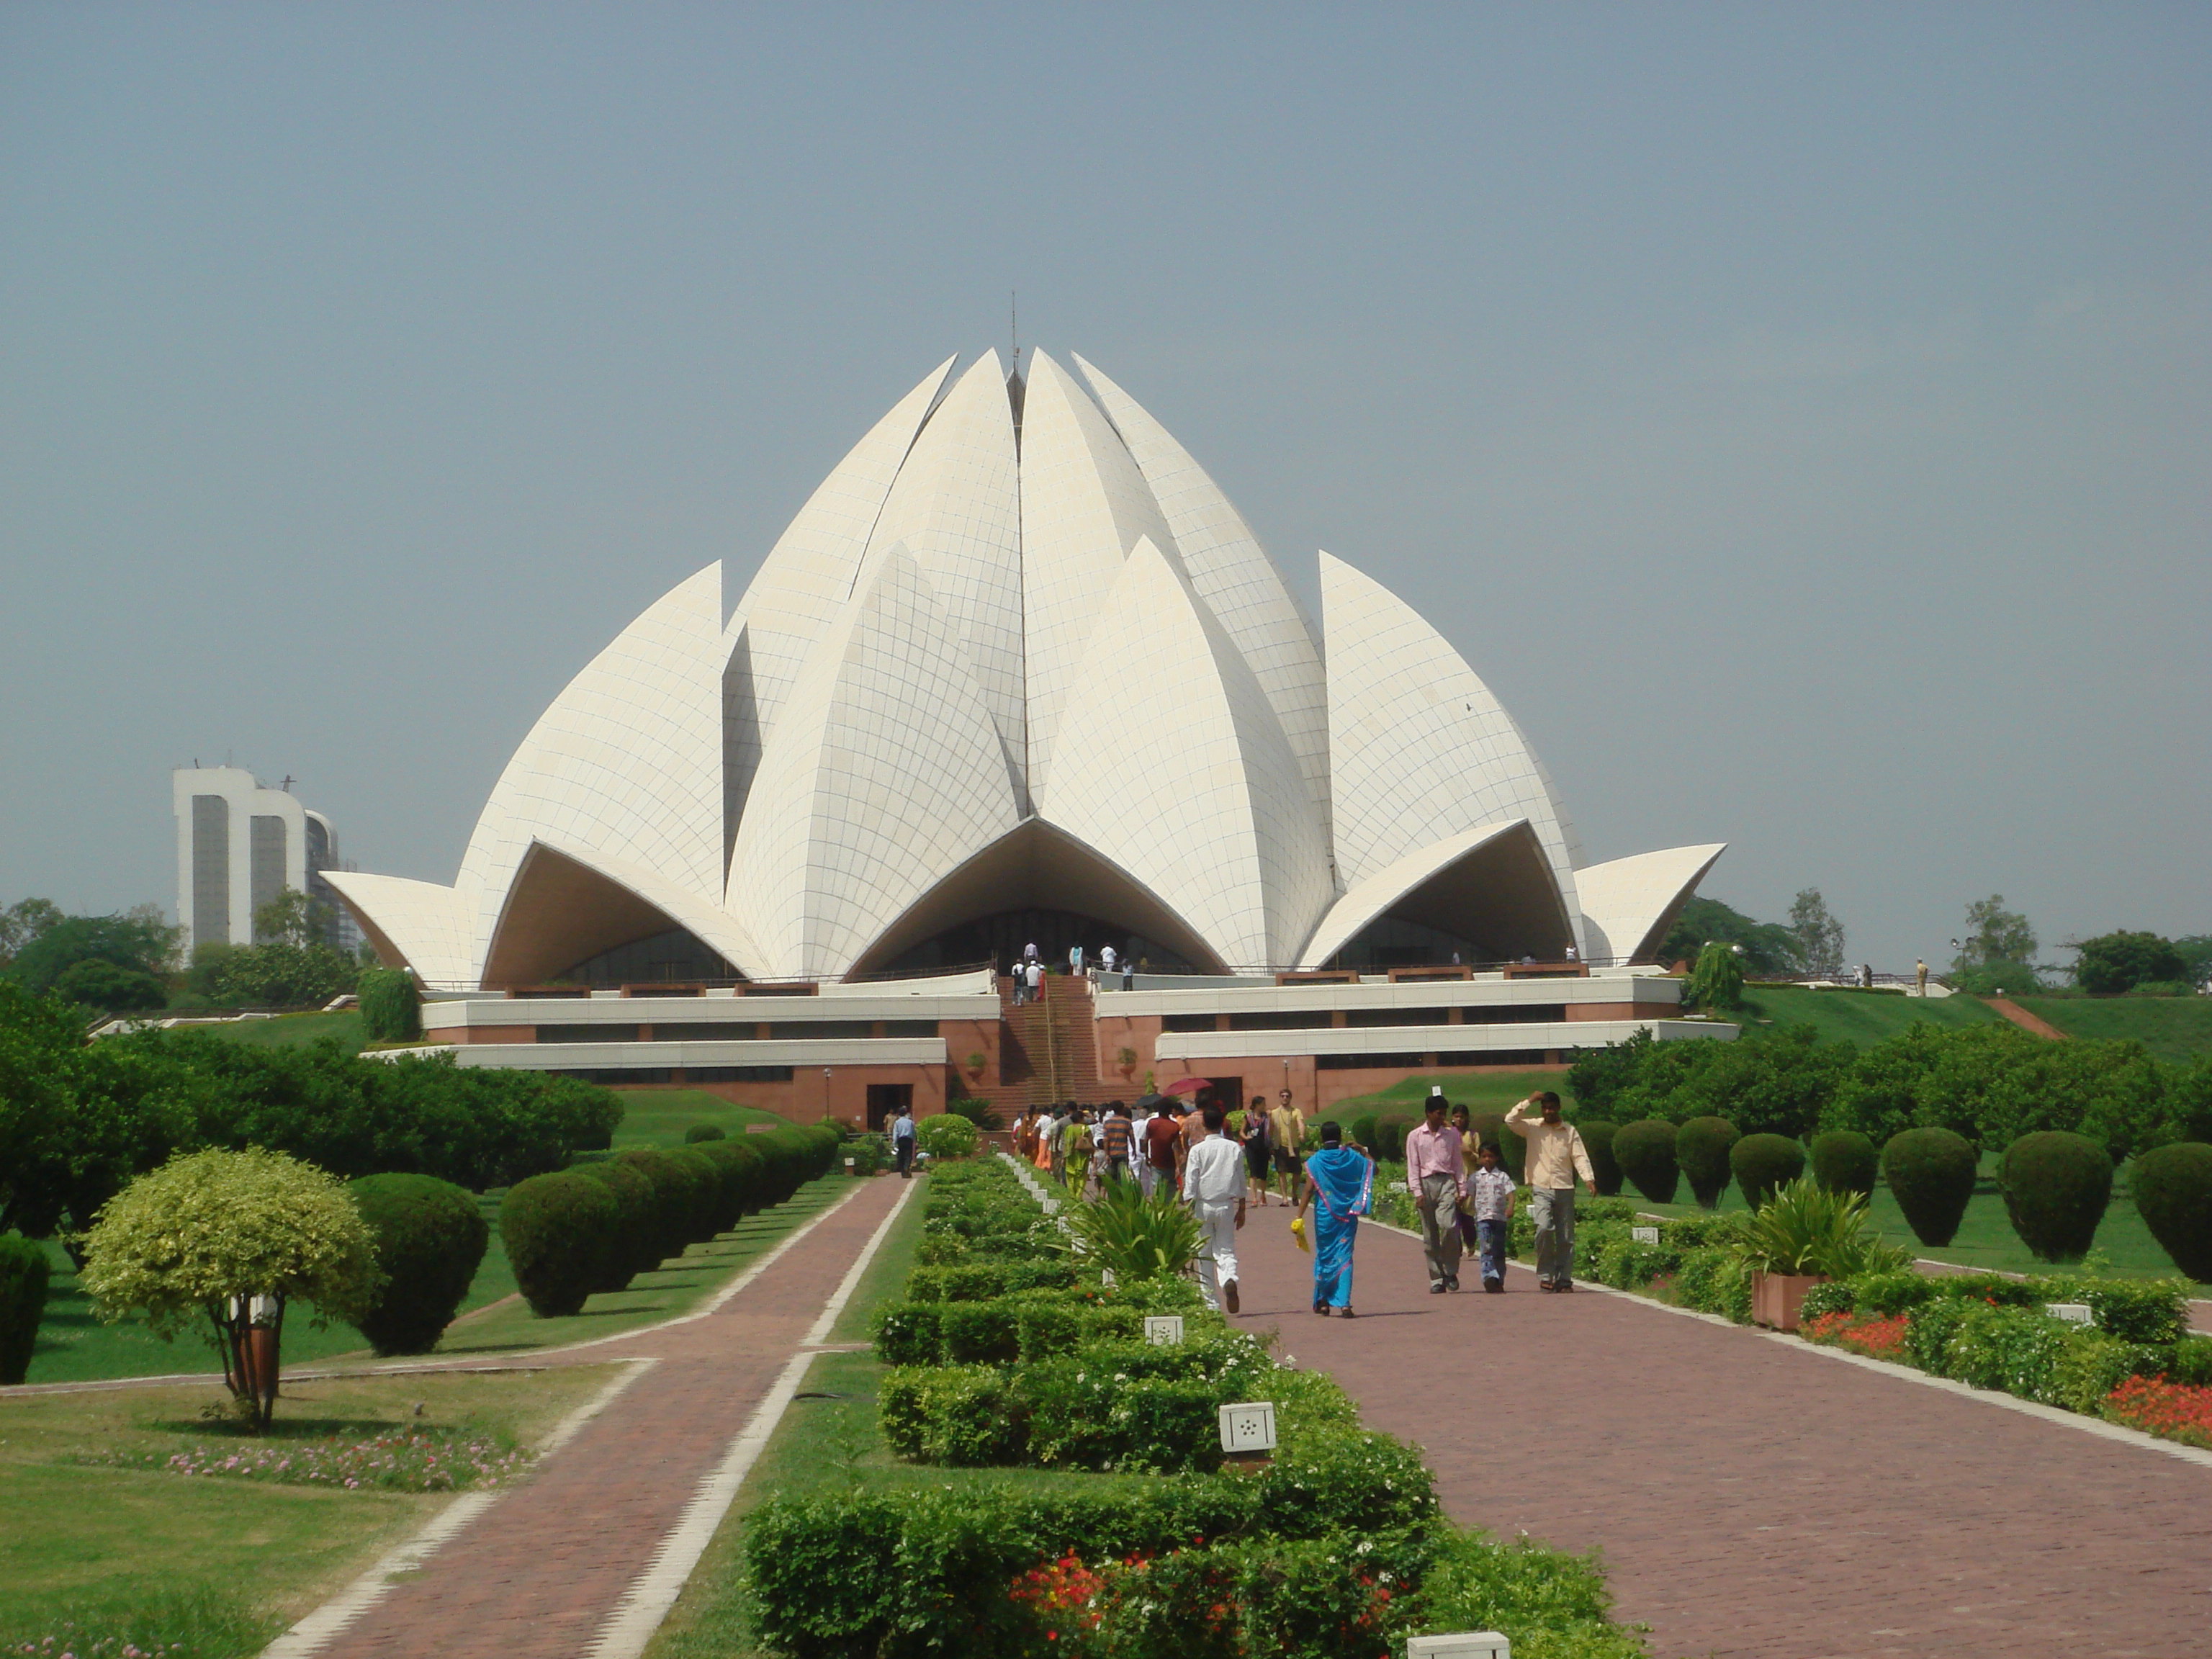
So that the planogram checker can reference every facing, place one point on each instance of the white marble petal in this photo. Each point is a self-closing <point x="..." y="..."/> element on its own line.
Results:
<point x="1172" y="764"/>
<point x="1376" y="894"/>
<point x="1629" y="904"/>
<point x="412" y="924"/>
<point x="883" y="774"/>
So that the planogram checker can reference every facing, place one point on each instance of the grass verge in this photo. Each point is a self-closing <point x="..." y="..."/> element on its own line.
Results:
<point x="2176" y="1028"/>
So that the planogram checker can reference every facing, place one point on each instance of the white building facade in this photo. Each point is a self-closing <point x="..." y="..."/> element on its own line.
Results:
<point x="240" y="845"/>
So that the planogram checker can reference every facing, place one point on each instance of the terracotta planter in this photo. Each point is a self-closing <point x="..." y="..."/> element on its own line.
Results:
<point x="1776" y="1297"/>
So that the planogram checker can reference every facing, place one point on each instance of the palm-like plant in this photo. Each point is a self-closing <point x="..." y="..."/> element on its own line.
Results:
<point x="1134" y="1237"/>
<point x="1806" y="1229"/>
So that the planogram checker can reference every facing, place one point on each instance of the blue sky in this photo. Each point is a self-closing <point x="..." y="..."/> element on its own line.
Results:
<point x="1799" y="415"/>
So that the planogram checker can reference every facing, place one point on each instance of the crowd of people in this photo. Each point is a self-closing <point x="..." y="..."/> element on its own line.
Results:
<point x="1220" y="1160"/>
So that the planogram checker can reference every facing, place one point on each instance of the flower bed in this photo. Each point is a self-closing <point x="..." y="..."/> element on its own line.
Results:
<point x="2178" y="1410"/>
<point x="401" y="1461"/>
<point x="1876" y="1336"/>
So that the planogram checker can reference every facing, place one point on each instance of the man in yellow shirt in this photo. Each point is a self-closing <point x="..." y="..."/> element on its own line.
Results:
<point x="1286" y="1137"/>
<point x="1556" y="1156"/>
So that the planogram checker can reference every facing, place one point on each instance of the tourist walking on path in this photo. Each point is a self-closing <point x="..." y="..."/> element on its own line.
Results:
<point x="1034" y="974"/>
<point x="1052" y="1145"/>
<point x="1213" y="1186"/>
<point x="1341" y="1184"/>
<point x="1162" y="1149"/>
<point x="1556" y="1156"/>
<point x="1469" y="1240"/>
<point x="903" y="1142"/>
<point x="1255" y="1148"/>
<point x="1490" y="1202"/>
<point x="1115" y="1139"/>
<point x="1436" y="1176"/>
<point x="1078" y="1161"/>
<point x="1287" y="1138"/>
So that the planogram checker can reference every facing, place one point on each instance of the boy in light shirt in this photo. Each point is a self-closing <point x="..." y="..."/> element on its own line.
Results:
<point x="1490" y="1197"/>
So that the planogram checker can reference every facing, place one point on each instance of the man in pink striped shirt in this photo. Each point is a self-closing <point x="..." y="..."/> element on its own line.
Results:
<point x="1436" y="1176"/>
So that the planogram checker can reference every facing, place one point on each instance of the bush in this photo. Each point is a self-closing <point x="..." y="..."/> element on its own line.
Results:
<point x="559" y="1231"/>
<point x="1716" y="1280"/>
<point x="2173" y="1189"/>
<point x="1844" y="1161"/>
<point x="1362" y="1131"/>
<point x="633" y="1244"/>
<point x="1931" y="1174"/>
<point x="390" y="1007"/>
<point x="1390" y="1139"/>
<point x="2114" y="963"/>
<point x="1646" y="1154"/>
<point x="741" y="1175"/>
<point x="2056" y="1188"/>
<point x="675" y="1190"/>
<point x="1762" y="1163"/>
<point x="23" y="1272"/>
<point x="948" y="1135"/>
<point x="109" y="988"/>
<point x="1597" y="1138"/>
<point x="703" y="1132"/>
<point x="1702" y="1147"/>
<point x="430" y="1239"/>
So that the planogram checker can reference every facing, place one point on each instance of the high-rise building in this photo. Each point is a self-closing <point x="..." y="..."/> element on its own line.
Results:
<point x="240" y="845"/>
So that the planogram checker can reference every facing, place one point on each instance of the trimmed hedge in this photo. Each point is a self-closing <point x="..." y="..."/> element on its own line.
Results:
<point x="1845" y="1161"/>
<point x="1646" y="1152"/>
<point x="430" y="1237"/>
<point x="1597" y="1138"/>
<point x="701" y="1131"/>
<point x="556" y="1229"/>
<point x="2173" y="1189"/>
<point x="1931" y="1174"/>
<point x="946" y="1135"/>
<point x="24" y="1273"/>
<point x="2057" y="1187"/>
<point x="1762" y="1163"/>
<point x="1702" y="1147"/>
<point x="632" y="1247"/>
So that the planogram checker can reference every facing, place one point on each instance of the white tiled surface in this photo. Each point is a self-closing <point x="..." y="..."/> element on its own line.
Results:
<point x="1419" y="749"/>
<point x="1173" y="765"/>
<point x="1371" y="897"/>
<point x="1429" y="1039"/>
<point x="594" y="1056"/>
<point x="427" y="924"/>
<point x="884" y="774"/>
<point x="1481" y="991"/>
<point x="1624" y="901"/>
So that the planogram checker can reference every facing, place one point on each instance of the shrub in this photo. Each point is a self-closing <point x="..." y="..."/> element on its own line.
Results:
<point x="1390" y="1139"/>
<point x="979" y="1333"/>
<point x="1702" y="1147"/>
<point x="1717" y="981"/>
<point x="668" y="1216"/>
<point x="1931" y="1173"/>
<point x="1844" y="1161"/>
<point x="947" y="1135"/>
<point x="1597" y="1137"/>
<point x="2114" y="962"/>
<point x="559" y="1231"/>
<point x="2056" y="1188"/>
<point x="430" y="1239"/>
<point x="1362" y="1130"/>
<point x="702" y="1174"/>
<point x="1762" y="1163"/>
<point x="703" y="1132"/>
<point x="1806" y="1229"/>
<point x="23" y="1274"/>
<point x="1715" y="1280"/>
<point x="958" y="1416"/>
<point x="1646" y="1154"/>
<point x="2172" y="1189"/>
<point x="1132" y="1236"/>
<point x="390" y="1007"/>
<point x="110" y="988"/>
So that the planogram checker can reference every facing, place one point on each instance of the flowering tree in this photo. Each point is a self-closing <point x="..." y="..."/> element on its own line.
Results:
<point x="232" y="1237"/>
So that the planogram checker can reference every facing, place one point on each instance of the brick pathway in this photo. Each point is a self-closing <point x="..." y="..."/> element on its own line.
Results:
<point x="540" y="1571"/>
<point x="1751" y="1497"/>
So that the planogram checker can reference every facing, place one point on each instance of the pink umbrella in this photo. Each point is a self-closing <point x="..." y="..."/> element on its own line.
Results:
<point x="1185" y="1085"/>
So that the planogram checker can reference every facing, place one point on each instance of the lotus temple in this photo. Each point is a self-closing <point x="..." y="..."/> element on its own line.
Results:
<point x="1018" y="674"/>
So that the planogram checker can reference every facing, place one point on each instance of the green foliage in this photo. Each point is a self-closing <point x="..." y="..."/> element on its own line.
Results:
<point x="703" y="1132"/>
<point x="208" y="1227"/>
<point x="1819" y="936"/>
<point x="559" y="1231"/>
<point x="1806" y="1229"/>
<point x="390" y="1007"/>
<point x="948" y="1135"/>
<point x="293" y="918"/>
<point x="981" y="1113"/>
<point x="1701" y="1148"/>
<point x="1132" y="1236"/>
<point x="1717" y="982"/>
<point x="1994" y="935"/>
<point x="23" y="1274"/>
<point x="429" y="1239"/>
<point x="871" y="1154"/>
<point x="1716" y="1279"/>
<point x="1598" y="1075"/>
<point x="1597" y="1139"/>
<point x="1645" y="1150"/>
<point x="633" y="1246"/>
<point x="1362" y="1131"/>
<point x="1390" y="1139"/>
<point x="1998" y="978"/>
<point x="22" y="922"/>
<point x="2114" y="963"/>
<point x="2056" y="1188"/>
<point x="109" y="989"/>
<point x="281" y="975"/>
<point x="1769" y="950"/>
<point x="2172" y="1190"/>
<point x="1930" y="1173"/>
<point x="1845" y="1161"/>
<point x="1762" y="1163"/>
<point x="141" y="940"/>
<point x="678" y="1197"/>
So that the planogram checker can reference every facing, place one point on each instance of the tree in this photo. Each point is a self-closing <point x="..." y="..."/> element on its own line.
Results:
<point x="2114" y="963"/>
<point x="110" y="989"/>
<point x="233" y="1238"/>
<point x="281" y="975"/>
<point x="1717" y="982"/>
<point x="293" y="918"/>
<point x="1995" y="936"/>
<point x="1820" y="936"/>
<point x="1769" y="950"/>
<point x="2196" y="952"/>
<point x="141" y="939"/>
<point x="23" y="921"/>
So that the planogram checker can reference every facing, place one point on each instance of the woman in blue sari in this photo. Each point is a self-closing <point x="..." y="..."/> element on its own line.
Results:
<point x="1340" y="1185"/>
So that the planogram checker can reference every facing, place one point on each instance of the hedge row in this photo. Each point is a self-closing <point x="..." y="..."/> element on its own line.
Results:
<point x="592" y="1227"/>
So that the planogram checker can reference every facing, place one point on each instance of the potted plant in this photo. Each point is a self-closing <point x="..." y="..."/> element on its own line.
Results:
<point x="976" y="1063"/>
<point x="1804" y="1236"/>
<point x="1126" y="1059"/>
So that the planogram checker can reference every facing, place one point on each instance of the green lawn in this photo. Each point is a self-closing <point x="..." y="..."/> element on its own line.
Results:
<point x="288" y="1030"/>
<point x="659" y="1117"/>
<point x="2177" y="1029"/>
<point x="2125" y="1247"/>
<point x="1482" y="1091"/>
<point x="92" y="1554"/>
<point x="1864" y="1017"/>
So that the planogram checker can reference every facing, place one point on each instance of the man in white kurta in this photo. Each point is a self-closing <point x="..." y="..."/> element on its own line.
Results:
<point x="1213" y="1186"/>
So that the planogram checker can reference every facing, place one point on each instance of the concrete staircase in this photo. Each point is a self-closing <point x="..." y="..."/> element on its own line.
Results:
<point x="1048" y="1051"/>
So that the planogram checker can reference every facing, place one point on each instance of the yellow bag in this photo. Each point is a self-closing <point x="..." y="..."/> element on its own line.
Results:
<point x="1298" y="1232"/>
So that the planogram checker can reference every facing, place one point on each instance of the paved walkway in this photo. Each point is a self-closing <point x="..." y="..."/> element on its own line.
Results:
<point x="537" y="1574"/>
<point x="1752" y="1496"/>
